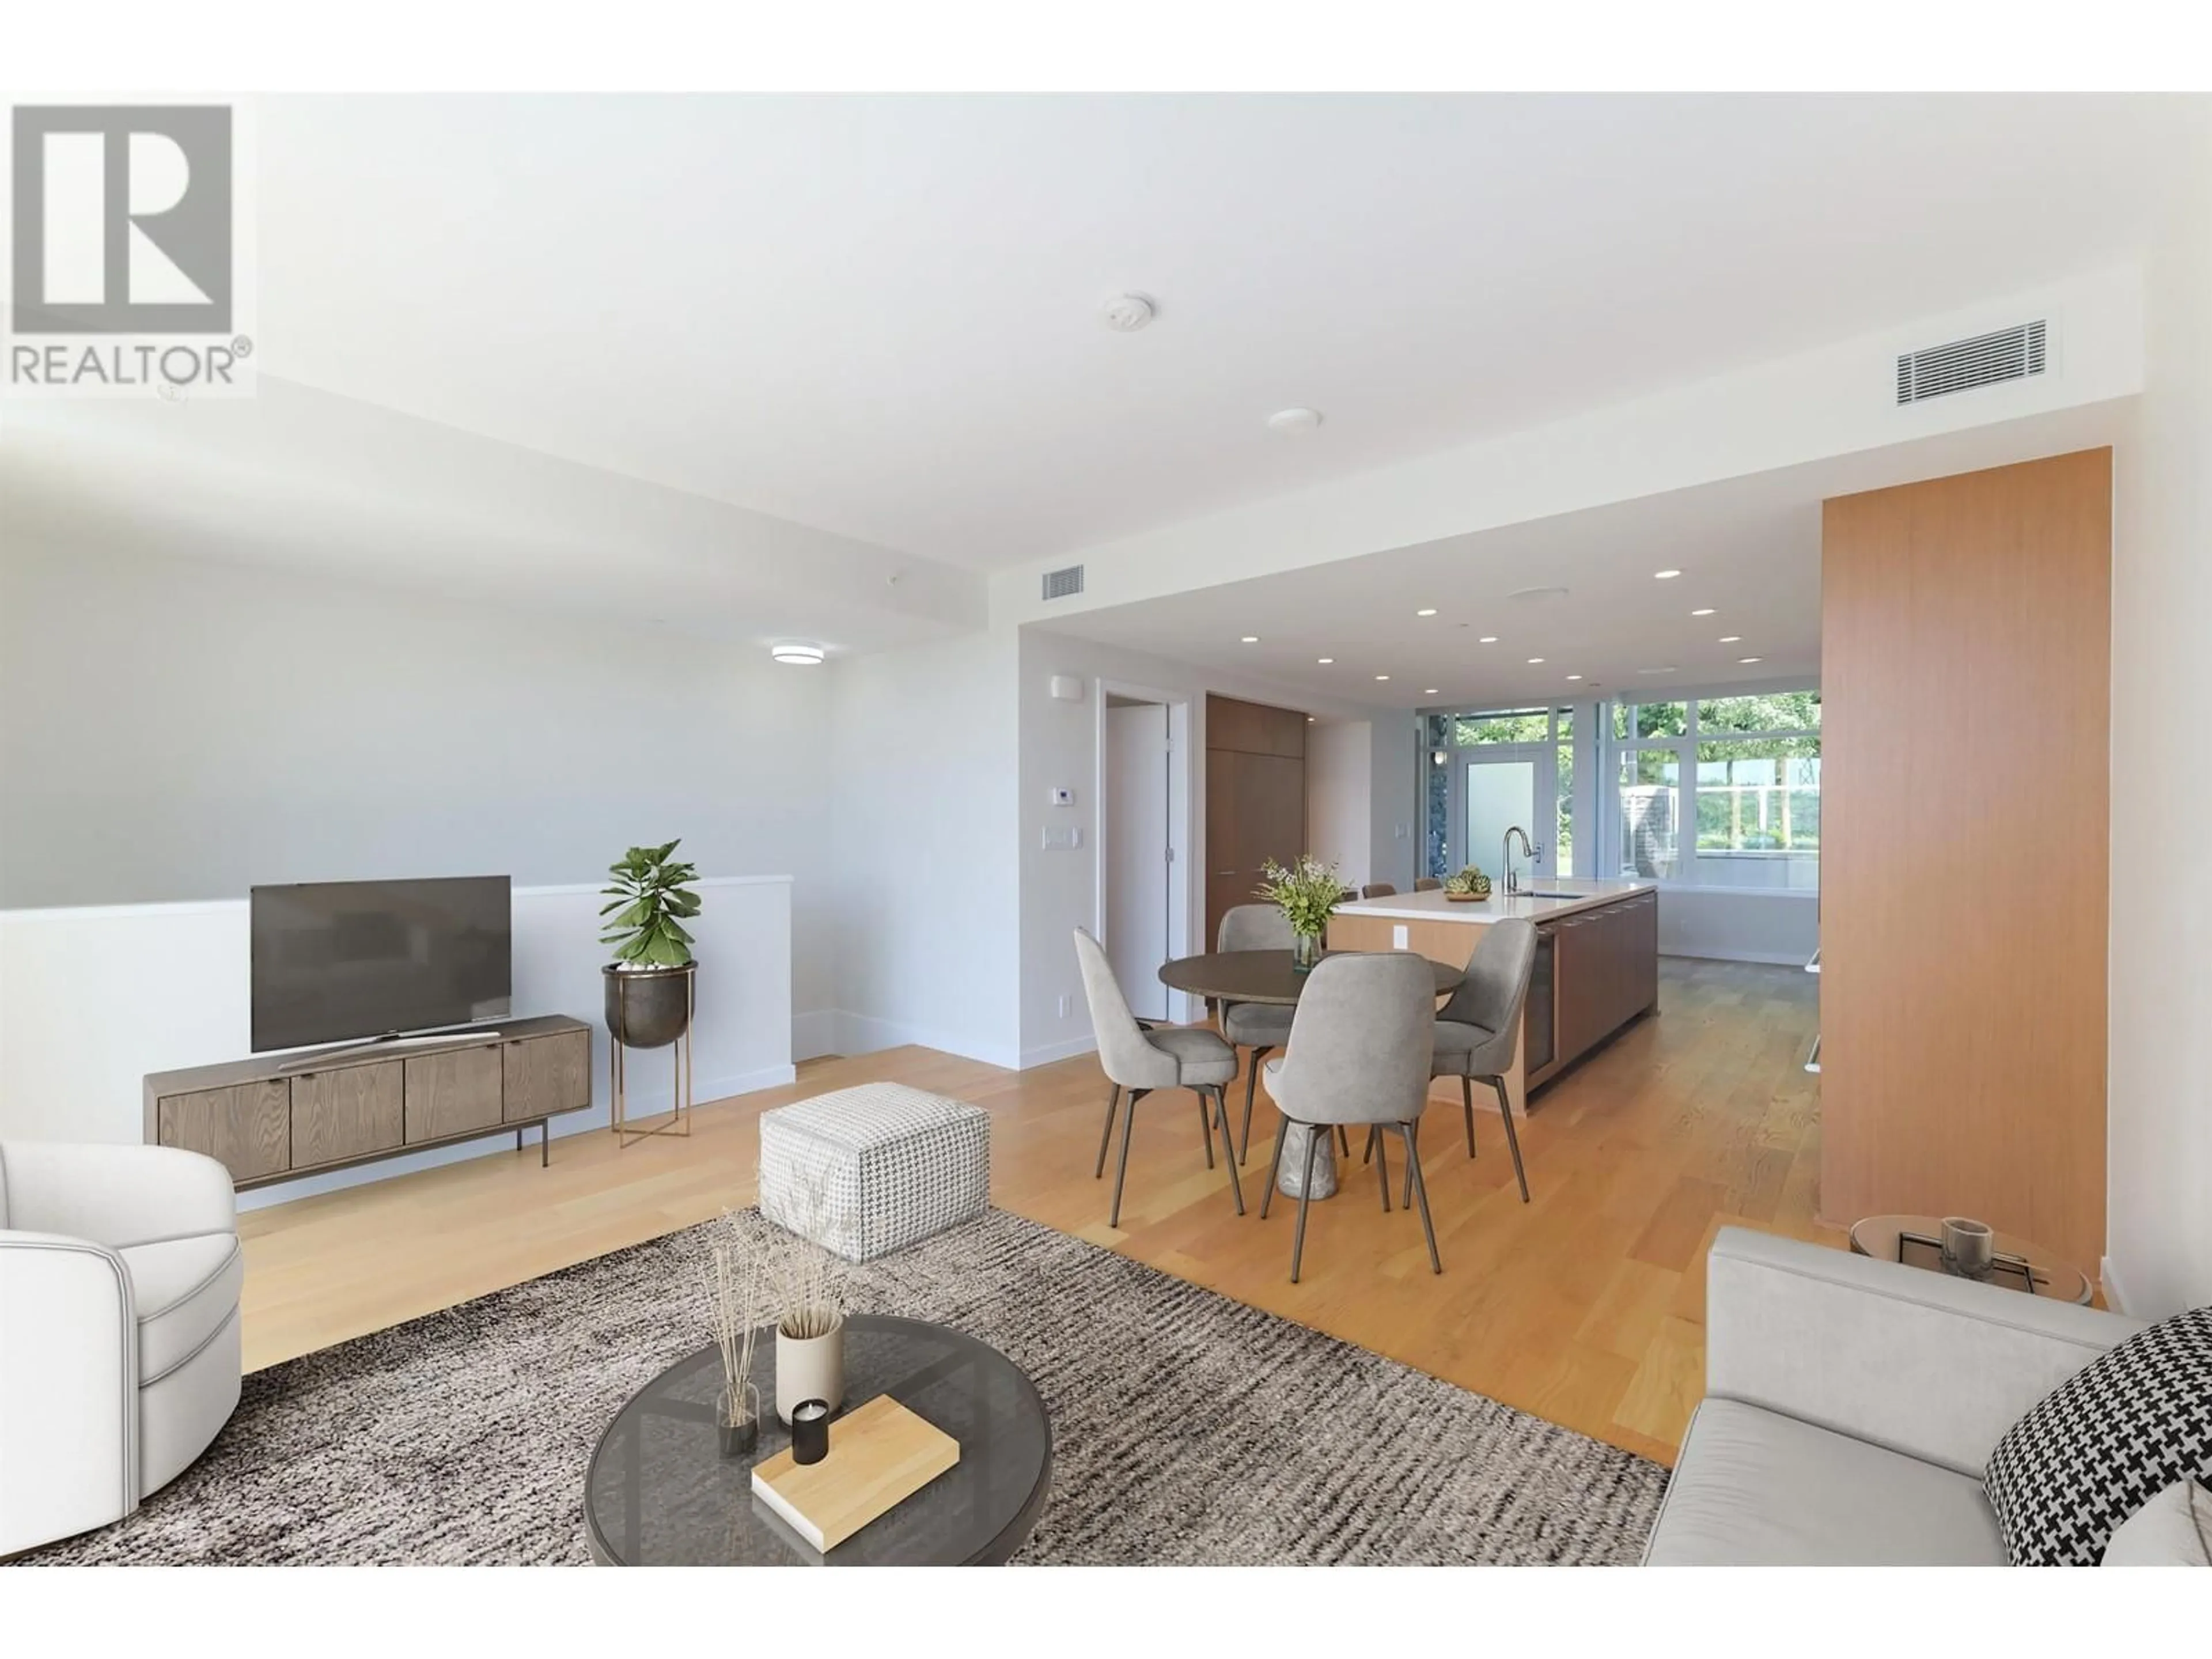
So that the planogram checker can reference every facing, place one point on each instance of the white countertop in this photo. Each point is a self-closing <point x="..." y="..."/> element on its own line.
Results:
<point x="1433" y="906"/>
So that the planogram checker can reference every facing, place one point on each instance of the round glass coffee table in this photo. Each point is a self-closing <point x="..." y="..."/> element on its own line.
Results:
<point x="659" y="1493"/>
<point x="2021" y="1266"/>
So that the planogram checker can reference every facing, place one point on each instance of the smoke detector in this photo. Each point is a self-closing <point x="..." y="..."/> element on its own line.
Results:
<point x="1294" y="423"/>
<point x="1125" y="313"/>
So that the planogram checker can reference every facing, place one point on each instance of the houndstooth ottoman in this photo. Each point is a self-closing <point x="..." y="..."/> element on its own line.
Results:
<point x="869" y="1170"/>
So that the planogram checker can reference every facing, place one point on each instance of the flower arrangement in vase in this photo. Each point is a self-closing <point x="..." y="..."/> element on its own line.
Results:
<point x="1307" y="893"/>
<point x="810" y="1313"/>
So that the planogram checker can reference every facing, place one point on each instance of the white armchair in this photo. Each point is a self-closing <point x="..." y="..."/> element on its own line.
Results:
<point x="119" y="1281"/>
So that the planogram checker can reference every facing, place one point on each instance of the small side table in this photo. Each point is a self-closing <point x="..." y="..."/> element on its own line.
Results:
<point x="2021" y="1266"/>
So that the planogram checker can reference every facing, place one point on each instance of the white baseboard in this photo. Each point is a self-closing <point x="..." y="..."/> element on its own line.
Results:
<point x="814" y="1034"/>
<point x="1775" y="959"/>
<point x="2116" y="1298"/>
<point x="1045" y="1054"/>
<point x="864" y="1034"/>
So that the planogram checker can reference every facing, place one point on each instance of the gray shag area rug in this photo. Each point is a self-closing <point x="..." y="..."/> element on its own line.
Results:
<point x="1187" y="1428"/>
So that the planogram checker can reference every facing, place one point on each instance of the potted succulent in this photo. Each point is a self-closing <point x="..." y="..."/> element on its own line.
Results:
<point x="648" y="984"/>
<point x="1468" y="886"/>
<point x="1306" y="893"/>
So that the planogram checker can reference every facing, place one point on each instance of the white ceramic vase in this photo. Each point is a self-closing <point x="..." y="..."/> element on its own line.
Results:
<point x="809" y="1368"/>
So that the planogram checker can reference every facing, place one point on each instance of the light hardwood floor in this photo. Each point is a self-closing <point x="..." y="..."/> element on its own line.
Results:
<point x="1586" y="1306"/>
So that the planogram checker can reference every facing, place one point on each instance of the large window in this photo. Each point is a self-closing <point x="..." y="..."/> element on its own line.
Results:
<point x="1749" y="764"/>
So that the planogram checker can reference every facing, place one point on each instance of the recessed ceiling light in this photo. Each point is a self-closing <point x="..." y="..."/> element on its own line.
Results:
<point x="1429" y="691"/>
<point x="1487" y="639"/>
<point x="1574" y="677"/>
<point x="1294" y="423"/>
<point x="1537" y="595"/>
<point x="1382" y="677"/>
<point x="1534" y="660"/>
<point x="1707" y="611"/>
<point x="1731" y="638"/>
<point x="798" y="654"/>
<point x="1751" y="660"/>
<point x="1669" y="669"/>
<point x="1429" y="611"/>
<point x="1665" y="575"/>
<point x="1251" y="638"/>
<point x="1324" y="661"/>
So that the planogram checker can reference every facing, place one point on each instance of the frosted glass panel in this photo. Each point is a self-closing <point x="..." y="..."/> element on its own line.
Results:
<point x="1499" y="793"/>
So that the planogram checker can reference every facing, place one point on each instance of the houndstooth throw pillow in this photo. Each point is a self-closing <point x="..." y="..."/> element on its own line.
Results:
<point x="2102" y="1443"/>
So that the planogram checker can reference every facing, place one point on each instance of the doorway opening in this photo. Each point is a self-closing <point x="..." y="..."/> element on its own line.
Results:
<point x="1144" y="803"/>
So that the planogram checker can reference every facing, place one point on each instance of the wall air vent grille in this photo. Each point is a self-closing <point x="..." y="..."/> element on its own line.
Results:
<point x="2009" y="354"/>
<point x="1063" y="584"/>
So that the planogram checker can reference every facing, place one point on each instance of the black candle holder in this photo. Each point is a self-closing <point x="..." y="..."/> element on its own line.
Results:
<point x="810" y="1432"/>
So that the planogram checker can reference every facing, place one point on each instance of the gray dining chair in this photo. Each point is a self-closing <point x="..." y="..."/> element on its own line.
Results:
<point x="1262" y="1027"/>
<point x="1359" y="1054"/>
<point x="1426" y="884"/>
<point x="1377" y="889"/>
<point x="1479" y="1030"/>
<point x="1142" y="1060"/>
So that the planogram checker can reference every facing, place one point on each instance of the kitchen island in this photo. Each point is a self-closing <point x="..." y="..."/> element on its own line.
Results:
<point x="1597" y="960"/>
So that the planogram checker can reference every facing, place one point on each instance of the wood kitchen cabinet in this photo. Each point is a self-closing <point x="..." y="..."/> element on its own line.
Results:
<point x="1255" y="798"/>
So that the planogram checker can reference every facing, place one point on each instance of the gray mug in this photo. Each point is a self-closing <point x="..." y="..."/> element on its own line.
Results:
<point x="1969" y="1246"/>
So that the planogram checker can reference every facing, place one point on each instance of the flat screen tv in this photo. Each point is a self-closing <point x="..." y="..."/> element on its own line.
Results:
<point x="334" y="960"/>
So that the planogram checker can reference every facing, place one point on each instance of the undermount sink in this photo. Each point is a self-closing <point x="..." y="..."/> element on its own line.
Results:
<point x="1541" y="892"/>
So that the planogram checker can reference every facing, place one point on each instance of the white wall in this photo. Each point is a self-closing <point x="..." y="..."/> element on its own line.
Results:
<point x="1745" y="924"/>
<point x="1340" y="796"/>
<point x="175" y="730"/>
<point x="924" y="753"/>
<point x="2160" y="1169"/>
<point x="92" y="998"/>
<point x="1396" y="818"/>
<point x="1059" y="745"/>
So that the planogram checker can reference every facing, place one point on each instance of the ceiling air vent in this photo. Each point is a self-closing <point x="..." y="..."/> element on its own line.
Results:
<point x="2010" y="353"/>
<point x="1063" y="584"/>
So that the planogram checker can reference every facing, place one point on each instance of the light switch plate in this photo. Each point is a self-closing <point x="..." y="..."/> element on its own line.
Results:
<point x="1398" y="938"/>
<point x="1065" y="839"/>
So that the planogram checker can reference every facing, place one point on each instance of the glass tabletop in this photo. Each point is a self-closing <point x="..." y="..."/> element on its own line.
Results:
<point x="659" y="1493"/>
<point x="1261" y="976"/>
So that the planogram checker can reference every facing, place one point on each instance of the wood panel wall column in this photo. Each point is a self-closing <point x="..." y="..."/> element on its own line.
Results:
<point x="1965" y="674"/>
<point x="1255" y="798"/>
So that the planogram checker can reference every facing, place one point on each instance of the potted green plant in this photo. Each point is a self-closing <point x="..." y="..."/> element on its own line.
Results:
<point x="648" y="984"/>
<point x="1307" y="894"/>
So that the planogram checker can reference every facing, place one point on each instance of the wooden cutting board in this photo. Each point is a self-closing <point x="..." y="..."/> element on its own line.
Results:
<point x="880" y="1455"/>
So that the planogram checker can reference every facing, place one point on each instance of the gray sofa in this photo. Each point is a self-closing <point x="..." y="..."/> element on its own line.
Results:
<point x="1850" y="1406"/>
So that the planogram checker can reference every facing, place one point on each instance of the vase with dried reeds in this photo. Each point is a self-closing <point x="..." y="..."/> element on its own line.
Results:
<point x="738" y="1304"/>
<point x="810" y="1328"/>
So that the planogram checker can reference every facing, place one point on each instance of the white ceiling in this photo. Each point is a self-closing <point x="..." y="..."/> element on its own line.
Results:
<point x="877" y="315"/>
<point x="1748" y="549"/>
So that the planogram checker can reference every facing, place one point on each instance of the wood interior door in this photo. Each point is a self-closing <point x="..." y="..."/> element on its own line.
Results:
<point x="1965" y="668"/>
<point x="1255" y="798"/>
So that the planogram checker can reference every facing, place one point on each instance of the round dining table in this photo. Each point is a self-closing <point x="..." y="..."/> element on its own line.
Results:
<point x="1268" y="976"/>
<point x="1262" y="975"/>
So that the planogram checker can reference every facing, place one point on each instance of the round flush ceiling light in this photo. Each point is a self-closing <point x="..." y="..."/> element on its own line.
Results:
<point x="1294" y="423"/>
<point x="1125" y="313"/>
<point x="797" y="653"/>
